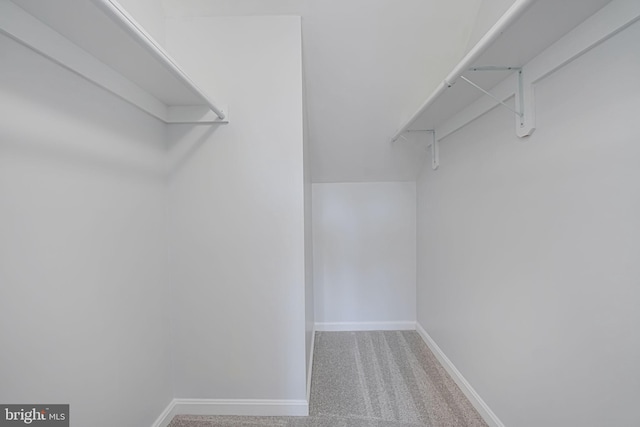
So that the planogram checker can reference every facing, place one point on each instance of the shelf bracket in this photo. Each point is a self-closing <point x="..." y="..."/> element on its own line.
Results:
<point x="435" y="151"/>
<point x="435" y="147"/>
<point x="525" y="112"/>
<point x="525" y="123"/>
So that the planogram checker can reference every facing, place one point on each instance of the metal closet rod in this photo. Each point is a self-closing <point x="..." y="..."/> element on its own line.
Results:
<point x="510" y="16"/>
<point x="117" y="13"/>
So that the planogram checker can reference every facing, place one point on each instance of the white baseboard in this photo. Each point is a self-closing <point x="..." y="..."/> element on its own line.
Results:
<point x="475" y="399"/>
<point x="258" y="407"/>
<point x="310" y="369"/>
<point x="250" y="407"/>
<point x="166" y="416"/>
<point x="366" y="326"/>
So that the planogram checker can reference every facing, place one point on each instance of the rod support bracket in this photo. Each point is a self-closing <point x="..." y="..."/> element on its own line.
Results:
<point x="435" y="151"/>
<point x="433" y="144"/>
<point x="524" y="109"/>
<point x="526" y="121"/>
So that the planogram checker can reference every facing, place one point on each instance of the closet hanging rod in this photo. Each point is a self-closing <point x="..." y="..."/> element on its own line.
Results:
<point x="117" y="13"/>
<point x="511" y="15"/>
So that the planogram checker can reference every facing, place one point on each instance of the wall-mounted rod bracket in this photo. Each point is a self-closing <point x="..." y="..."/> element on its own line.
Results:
<point x="526" y="122"/>
<point x="525" y="119"/>
<point x="492" y="96"/>
<point x="515" y="12"/>
<point x="435" y="149"/>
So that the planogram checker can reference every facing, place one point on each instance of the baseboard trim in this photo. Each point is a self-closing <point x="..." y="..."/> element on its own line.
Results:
<point x="310" y="369"/>
<point x="247" y="407"/>
<point x="166" y="416"/>
<point x="475" y="399"/>
<point x="366" y="326"/>
<point x="255" y="407"/>
<point x="265" y="407"/>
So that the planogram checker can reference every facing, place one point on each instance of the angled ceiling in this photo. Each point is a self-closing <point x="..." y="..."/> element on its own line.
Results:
<point x="368" y="65"/>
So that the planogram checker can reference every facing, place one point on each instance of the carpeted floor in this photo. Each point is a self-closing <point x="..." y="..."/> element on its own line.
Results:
<point x="369" y="379"/>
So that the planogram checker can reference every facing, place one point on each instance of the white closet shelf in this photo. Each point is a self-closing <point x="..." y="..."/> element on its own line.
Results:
<point x="100" y="41"/>
<point x="531" y="40"/>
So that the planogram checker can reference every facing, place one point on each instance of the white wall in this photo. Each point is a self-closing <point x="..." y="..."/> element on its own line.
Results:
<point x="488" y="13"/>
<point x="370" y="65"/>
<point x="364" y="238"/>
<point x="309" y="306"/>
<point x="237" y="213"/>
<point x="528" y="249"/>
<point x="83" y="283"/>
<point x="150" y="14"/>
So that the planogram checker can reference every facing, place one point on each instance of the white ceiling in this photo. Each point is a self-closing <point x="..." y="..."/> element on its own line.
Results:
<point x="368" y="65"/>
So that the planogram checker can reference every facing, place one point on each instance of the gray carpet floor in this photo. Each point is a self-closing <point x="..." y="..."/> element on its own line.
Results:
<point x="369" y="379"/>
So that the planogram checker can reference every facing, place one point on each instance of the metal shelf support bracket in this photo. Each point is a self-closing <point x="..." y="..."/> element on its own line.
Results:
<point x="525" y="112"/>
<point x="435" y="147"/>
<point x="526" y="121"/>
<point x="435" y="151"/>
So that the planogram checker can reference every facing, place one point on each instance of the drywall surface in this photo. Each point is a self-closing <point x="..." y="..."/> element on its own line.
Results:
<point x="83" y="291"/>
<point x="237" y="216"/>
<point x="489" y="12"/>
<point x="308" y="244"/>
<point x="186" y="8"/>
<point x="148" y="13"/>
<point x="370" y="64"/>
<point x="528" y="249"/>
<point x="364" y="237"/>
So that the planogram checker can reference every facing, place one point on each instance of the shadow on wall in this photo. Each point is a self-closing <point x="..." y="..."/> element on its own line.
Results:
<point x="184" y="141"/>
<point x="115" y="137"/>
<point x="49" y="113"/>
